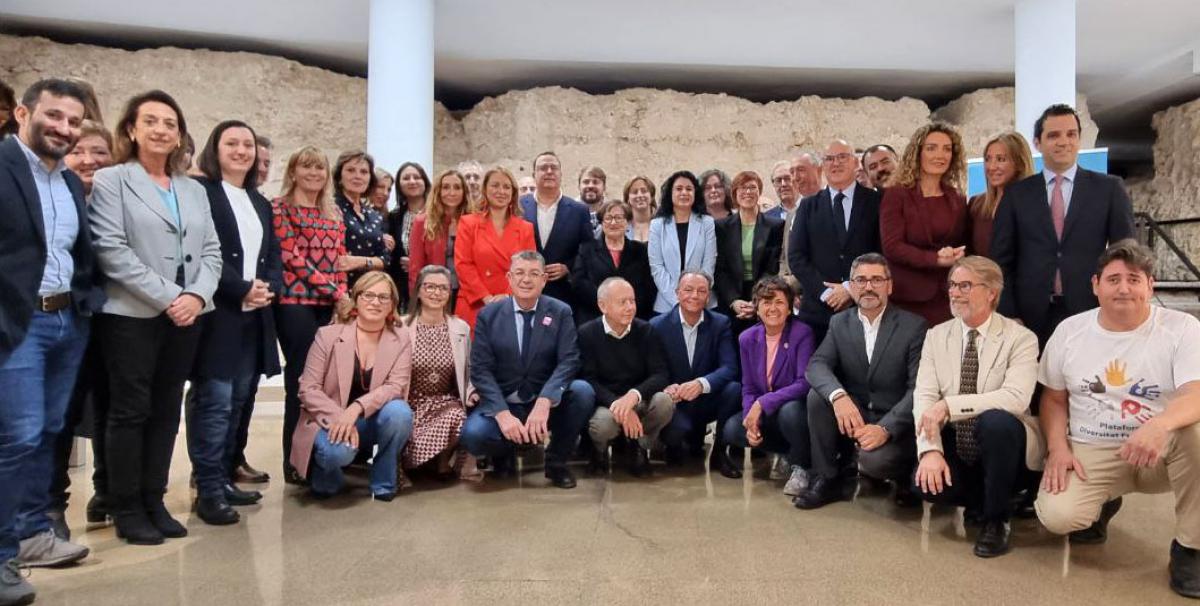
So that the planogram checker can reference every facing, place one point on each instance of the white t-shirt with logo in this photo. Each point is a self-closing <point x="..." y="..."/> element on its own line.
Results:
<point x="1116" y="381"/>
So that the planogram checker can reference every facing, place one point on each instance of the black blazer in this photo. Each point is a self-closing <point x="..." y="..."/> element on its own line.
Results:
<point x="393" y="225"/>
<point x="23" y="249"/>
<point x="768" y="242"/>
<point x="594" y="265"/>
<point x="227" y="329"/>
<point x="816" y="255"/>
<point x="572" y="232"/>
<point x="1027" y="249"/>
<point x="883" y="386"/>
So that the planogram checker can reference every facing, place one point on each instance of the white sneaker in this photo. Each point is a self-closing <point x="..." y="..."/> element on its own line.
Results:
<point x="14" y="589"/>
<point x="797" y="483"/>
<point x="780" y="468"/>
<point x="45" y="549"/>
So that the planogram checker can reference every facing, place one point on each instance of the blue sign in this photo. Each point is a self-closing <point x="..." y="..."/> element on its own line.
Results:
<point x="1091" y="159"/>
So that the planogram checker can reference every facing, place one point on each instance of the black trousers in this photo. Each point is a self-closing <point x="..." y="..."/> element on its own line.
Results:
<point x="87" y="411"/>
<point x="296" y="326"/>
<point x="831" y="450"/>
<point x="990" y="483"/>
<point x="148" y="360"/>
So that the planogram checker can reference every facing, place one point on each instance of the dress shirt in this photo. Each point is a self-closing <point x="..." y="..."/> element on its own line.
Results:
<point x="979" y="339"/>
<point x="870" y="334"/>
<point x="60" y="219"/>
<point x="1068" y="185"/>
<point x="690" y="332"/>
<point x="250" y="231"/>
<point x="847" y="206"/>
<point x="513" y="398"/>
<point x="545" y="218"/>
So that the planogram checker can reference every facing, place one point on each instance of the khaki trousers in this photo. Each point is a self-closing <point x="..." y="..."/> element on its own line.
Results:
<point x="654" y="414"/>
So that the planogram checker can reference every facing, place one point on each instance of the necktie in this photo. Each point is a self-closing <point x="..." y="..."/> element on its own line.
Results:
<point x="524" y="393"/>
<point x="964" y="431"/>
<point x="839" y="211"/>
<point x="1058" y="213"/>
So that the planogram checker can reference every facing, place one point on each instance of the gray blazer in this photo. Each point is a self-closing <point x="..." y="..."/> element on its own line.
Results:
<point x="135" y="239"/>
<point x="664" y="253"/>
<point x="886" y="384"/>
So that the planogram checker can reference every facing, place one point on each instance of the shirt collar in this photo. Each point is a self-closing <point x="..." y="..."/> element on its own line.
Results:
<point x="982" y="328"/>
<point x="1069" y="174"/>
<point x="609" y="331"/>
<point x="683" y="321"/>
<point x="849" y="191"/>
<point x="517" y="306"/>
<point x="878" y="319"/>
<point x="36" y="163"/>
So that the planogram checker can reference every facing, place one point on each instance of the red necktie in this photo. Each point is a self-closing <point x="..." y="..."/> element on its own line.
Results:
<point x="1058" y="213"/>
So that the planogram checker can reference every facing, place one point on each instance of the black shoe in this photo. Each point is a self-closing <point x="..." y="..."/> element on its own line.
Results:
<point x="162" y="520"/>
<point x="246" y="473"/>
<point x="560" y="477"/>
<point x="675" y="456"/>
<point x="291" y="476"/>
<point x="904" y="496"/>
<point x="216" y="511"/>
<point x="136" y="529"/>
<point x="972" y="518"/>
<point x="992" y="540"/>
<point x="236" y="496"/>
<point x="1185" y="570"/>
<point x="1097" y="533"/>
<point x="598" y="464"/>
<point x="720" y="461"/>
<point x="820" y="492"/>
<point x="505" y="466"/>
<point x="639" y="465"/>
<point x="97" y="509"/>
<point x="386" y="497"/>
<point x="1024" y="507"/>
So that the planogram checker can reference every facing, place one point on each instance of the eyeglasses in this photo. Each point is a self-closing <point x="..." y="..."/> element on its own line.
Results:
<point x="875" y="281"/>
<point x="963" y="287"/>
<point x="371" y="297"/>
<point x="533" y="275"/>
<point x="614" y="219"/>
<point x="842" y="157"/>
<point x="435" y="288"/>
<point x="781" y="180"/>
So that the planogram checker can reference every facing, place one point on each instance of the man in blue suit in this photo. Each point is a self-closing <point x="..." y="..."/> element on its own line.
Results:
<point x="48" y="292"/>
<point x="560" y="225"/>
<point x="703" y="367"/>
<point x="523" y="364"/>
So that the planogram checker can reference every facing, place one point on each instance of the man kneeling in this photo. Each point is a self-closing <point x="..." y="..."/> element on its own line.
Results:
<point x="1120" y="410"/>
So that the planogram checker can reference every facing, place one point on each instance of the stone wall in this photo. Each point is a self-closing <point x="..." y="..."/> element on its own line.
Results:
<point x="987" y="112"/>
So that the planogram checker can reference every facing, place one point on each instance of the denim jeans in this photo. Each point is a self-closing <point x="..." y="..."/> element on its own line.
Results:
<point x="387" y="429"/>
<point x="35" y="386"/>
<point x="214" y="413"/>
<point x="785" y="432"/>
<point x="481" y="434"/>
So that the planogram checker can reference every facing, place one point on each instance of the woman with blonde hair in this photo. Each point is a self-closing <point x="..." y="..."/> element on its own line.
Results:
<point x="311" y="240"/>
<point x="487" y="240"/>
<point x="1006" y="160"/>
<point x="435" y="231"/>
<point x="923" y="220"/>
<point x="353" y="388"/>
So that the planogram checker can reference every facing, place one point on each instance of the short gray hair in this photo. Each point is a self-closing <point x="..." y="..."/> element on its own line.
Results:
<point x="607" y="285"/>
<point x="695" y="272"/>
<point x="988" y="271"/>
<point x="871" y="259"/>
<point x="529" y="255"/>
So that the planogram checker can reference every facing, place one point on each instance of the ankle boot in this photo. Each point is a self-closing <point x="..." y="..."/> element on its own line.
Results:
<point x="133" y="526"/>
<point x="162" y="520"/>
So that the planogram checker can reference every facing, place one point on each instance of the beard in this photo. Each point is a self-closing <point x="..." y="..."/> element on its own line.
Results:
<point x="45" y="147"/>
<point x="590" y="196"/>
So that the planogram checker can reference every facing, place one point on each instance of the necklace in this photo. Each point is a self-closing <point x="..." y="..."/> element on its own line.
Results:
<point x="362" y="372"/>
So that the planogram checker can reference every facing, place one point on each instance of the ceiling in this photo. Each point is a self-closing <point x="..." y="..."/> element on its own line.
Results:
<point x="762" y="50"/>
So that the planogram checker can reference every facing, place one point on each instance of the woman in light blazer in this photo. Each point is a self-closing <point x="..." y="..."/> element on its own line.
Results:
<point x="682" y="238"/>
<point x="159" y="252"/>
<point x="352" y="393"/>
<point x="441" y="392"/>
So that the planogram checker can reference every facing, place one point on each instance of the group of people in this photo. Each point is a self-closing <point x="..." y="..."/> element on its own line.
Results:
<point x="1001" y="353"/>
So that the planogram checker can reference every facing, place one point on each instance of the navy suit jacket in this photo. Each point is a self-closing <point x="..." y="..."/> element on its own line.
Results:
<point x="497" y="368"/>
<point x="23" y="248"/>
<point x="715" y="357"/>
<point x="572" y="230"/>
<point x="1027" y="249"/>
<point x="816" y="255"/>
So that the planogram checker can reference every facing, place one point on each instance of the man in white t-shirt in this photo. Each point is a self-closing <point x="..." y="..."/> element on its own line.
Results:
<point x="1120" y="411"/>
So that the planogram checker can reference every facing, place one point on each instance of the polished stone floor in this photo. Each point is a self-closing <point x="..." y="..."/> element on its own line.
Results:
<point x="686" y="537"/>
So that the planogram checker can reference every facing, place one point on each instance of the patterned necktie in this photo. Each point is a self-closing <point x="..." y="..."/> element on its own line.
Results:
<point x="839" y="211"/>
<point x="1058" y="214"/>
<point x="964" y="431"/>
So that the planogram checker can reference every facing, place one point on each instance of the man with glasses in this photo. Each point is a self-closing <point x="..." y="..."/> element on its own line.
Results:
<point x="975" y="436"/>
<point x="785" y="189"/>
<point x="861" y="401"/>
<point x="832" y="228"/>
<point x="561" y="226"/>
<point x="523" y="363"/>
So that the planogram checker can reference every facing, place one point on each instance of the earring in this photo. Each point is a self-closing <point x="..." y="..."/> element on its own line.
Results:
<point x="353" y="313"/>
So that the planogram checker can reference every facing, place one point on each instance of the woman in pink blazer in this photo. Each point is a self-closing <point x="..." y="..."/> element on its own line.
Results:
<point x="352" y="393"/>
<point x="487" y="240"/>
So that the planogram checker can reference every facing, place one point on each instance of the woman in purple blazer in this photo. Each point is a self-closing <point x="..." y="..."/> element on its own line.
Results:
<point x="774" y="356"/>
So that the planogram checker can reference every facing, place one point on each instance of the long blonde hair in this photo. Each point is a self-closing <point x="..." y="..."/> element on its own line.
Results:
<point x="909" y="173"/>
<point x="435" y="219"/>
<point x="514" y="205"/>
<point x="365" y="281"/>
<point x="309" y="156"/>
<point x="1018" y="153"/>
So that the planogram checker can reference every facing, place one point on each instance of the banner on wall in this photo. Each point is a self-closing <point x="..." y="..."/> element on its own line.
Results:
<point x="1091" y="159"/>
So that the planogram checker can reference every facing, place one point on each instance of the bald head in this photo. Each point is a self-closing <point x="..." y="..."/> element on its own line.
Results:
<point x="617" y="302"/>
<point x="839" y="164"/>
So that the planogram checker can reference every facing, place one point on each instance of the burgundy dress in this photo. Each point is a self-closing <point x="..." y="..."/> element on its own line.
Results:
<point x="980" y="228"/>
<point x="913" y="228"/>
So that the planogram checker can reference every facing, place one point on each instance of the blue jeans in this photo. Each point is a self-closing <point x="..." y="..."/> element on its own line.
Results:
<point x="482" y="438"/>
<point x="35" y="387"/>
<point x="388" y="429"/>
<point x="785" y="432"/>
<point x="214" y="413"/>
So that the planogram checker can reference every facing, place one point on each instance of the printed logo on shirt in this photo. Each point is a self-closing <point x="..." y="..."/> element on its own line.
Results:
<point x="1135" y="399"/>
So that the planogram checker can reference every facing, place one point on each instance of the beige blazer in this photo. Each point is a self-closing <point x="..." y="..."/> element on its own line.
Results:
<point x="328" y="373"/>
<point x="1008" y="368"/>
<point x="460" y="344"/>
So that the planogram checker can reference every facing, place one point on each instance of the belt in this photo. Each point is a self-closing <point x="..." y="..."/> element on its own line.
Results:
<point x="54" y="303"/>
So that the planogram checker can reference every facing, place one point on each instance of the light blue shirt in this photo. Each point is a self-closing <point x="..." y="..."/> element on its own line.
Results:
<point x="60" y="220"/>
<point x="521" y="323"/>
<point x="1068" y="185"/>
<point x="171" y="201"/>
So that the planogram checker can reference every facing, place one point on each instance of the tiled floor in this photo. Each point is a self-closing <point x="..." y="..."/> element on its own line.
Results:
<point x="686" y="537"/>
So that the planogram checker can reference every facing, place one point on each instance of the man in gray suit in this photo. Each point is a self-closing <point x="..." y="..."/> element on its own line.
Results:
<point x="862" y="378"/>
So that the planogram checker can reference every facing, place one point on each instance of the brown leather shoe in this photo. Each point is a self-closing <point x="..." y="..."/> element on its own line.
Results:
<point x="249" y="475"/>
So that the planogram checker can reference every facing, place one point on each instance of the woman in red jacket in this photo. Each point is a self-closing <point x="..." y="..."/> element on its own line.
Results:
<point x="435" y="231"/>
<point x="487" y="240"/>
<point x="923" y="220"/>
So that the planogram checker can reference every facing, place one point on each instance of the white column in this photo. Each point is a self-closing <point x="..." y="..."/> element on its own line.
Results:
<point x="400" y="83"/>
<point x="1044" y="44"/>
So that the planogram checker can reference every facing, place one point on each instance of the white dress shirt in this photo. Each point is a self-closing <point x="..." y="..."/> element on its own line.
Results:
<point x="870" y="335"/>
<point x="545" y="218"/>
<point x="250" y="230"/>
<point x="690" y="332"/>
